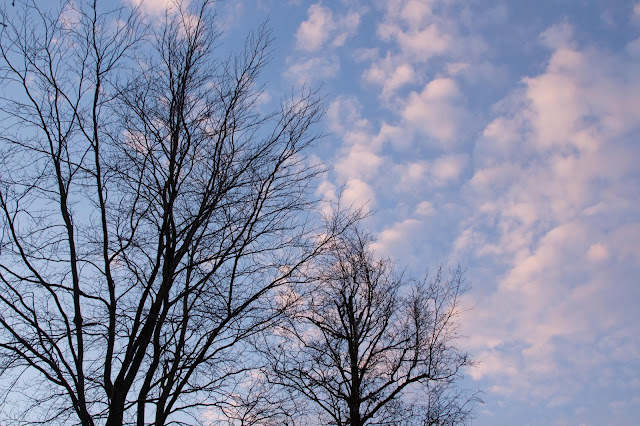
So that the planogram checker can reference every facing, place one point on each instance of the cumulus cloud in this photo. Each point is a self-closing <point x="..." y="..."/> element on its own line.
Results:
<point x="317" y="38"/>
<point x="310" y="70"/>
<point x="551" y="200"/>
<point x="424" y="208"/>
<point x="359" y="162"/>
<point x="425" y="43"/>
<point x="358" y="193"/>
<point x="322" y="26"/>
<point x="598" y="252"/>
<point x="421" y="33"/>
<point x="418" y="35"/>
<point x="444" y="170"/>
<point x="344" y="115"/>
<point x="448" y="168"/>
<point x="153" y="6"/>
<point x="542" y="209"/>
<point x="396" y="239"/>
<point x="437" y="110"/>
<point x="315" y="31"/>
<point x="415" y="28"/>
<point x="390" y="74"/>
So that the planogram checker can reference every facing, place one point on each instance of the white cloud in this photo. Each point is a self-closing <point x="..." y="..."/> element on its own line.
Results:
<point x="598" y="252"/>
<point x="344" y="115"/>
<point x="154" y="6"/>
<point x="412" y="174"/>
<point x="395" y="240"/>
<point x="422" y="30"/>
<point x="315" y="31"/>
<point x="425" y="43"/>
<point x="310" y="70"/>
<point x="558" y="36"/>
<point x="348" y="26"/>
<point x="448" y="168"/>
<point x="360" y="157"/>
<point x="547" y="223"/>
<point x="551" y="202"/>
<point x="318" y="37"/>
<point x="424" y="208"/>
<point x="322" y="25"/>
<point x="419" y="33"/>
<point x="436" y="111"/>
<point x="442" y="171"/>
<point x="390" y="75"/>
<point x="454" y="68"/>
<point x="414" y="12"/>
<point x="359" y="162"/>
<point x="358" y="193"/>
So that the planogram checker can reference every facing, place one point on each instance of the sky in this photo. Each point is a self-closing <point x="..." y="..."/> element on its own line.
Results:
<point x="502" y="135"/>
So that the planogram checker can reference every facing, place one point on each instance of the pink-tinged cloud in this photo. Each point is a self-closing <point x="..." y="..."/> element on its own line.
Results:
<point x="437" y="111"/>
<point x="155" y="7"/>
<point x="323" y="26"/>
<point x="551" y="202"/>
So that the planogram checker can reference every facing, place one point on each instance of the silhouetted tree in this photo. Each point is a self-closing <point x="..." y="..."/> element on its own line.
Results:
<point x="149" y="212"/>
<point x="366" y="345"/>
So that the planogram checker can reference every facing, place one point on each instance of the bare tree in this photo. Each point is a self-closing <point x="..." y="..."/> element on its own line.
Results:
<point x="149" y="212"/>
<point x="366" y="345"/>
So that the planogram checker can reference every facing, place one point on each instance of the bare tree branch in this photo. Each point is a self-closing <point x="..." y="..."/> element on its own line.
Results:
<point x="149" y="213"/>
<point x="366" y="345"/>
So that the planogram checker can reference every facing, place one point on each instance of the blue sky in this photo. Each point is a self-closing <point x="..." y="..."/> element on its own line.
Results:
<point x="502" y="135"/>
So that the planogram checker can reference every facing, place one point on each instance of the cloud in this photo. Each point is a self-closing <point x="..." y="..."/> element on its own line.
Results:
<point x="598" y="252"/>
<point x="358" y="193"/>
<point x="395" y="239"/>
<point x="322" y="25"/>
<point x="318" y="37"/>
<point x="154" y="6"/>
<point x="344" y="114"/>
<point x="552" y="196"/>
<point x="444" y="170"/>
<point x="448" y="168"/>
<point x="310" y="70"/>
<point x="424" y="208"/>
<point x="558" y="36"/>
<point x="437" y="111"/>
<point x="359" y="157"/>
<point x="542" y="209"/>
<point x="359" y="162"/>
<point x="315" y="31"/>
<point x="390" y="74"/>
<point x="417" y="36"/>
<point x="419" y="33"/>
<point x="425" y="43"/>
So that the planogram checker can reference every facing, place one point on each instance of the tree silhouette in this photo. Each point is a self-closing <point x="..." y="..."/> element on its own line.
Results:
<point x="366" y="345"/>
<point x="149" y="212"/>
